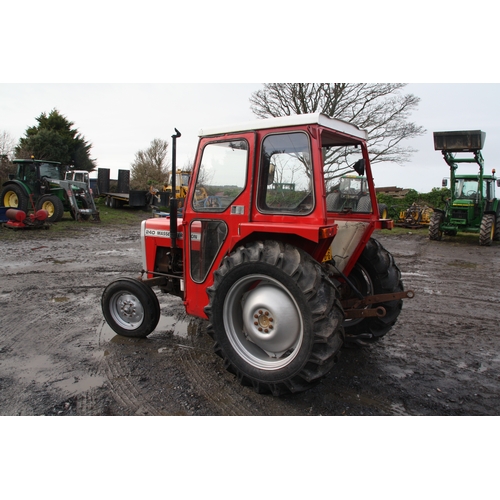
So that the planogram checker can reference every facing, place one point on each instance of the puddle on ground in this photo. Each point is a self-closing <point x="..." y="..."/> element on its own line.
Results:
<point x="77" y="385"/>
<point x="179" y="327"/>
<point x="60" y="299"/>
<point x="42" y="369"/>
<point x="59" y="262"/>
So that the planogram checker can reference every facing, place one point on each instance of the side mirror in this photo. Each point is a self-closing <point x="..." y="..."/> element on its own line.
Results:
<point x="444" y="183"/>
<point x="498" y="183"/>
<point x="359" y="167"/>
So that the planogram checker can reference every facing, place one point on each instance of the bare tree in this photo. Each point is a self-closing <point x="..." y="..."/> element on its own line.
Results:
<point x="150" y="166"/>
<point x="7" y="146"/>
<point x="379" y="108"/>
<point x="188" y="165"/>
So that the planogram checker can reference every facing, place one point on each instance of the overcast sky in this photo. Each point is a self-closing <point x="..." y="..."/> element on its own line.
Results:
<point x="224" y="41"/>
<point x="120" y="119"/>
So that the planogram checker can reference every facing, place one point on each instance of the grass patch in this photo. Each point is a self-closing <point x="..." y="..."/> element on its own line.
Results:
<point x="397" y="231"/>
<point x="110" y="217"/>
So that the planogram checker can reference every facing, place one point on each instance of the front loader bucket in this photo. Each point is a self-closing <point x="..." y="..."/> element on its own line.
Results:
<point x="459" y="141"/>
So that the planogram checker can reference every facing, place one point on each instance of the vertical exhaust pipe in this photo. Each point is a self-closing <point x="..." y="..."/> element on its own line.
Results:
<point x="173" y="198"/>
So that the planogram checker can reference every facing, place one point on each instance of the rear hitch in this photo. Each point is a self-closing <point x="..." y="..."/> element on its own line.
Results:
<point x="357" y="308"/>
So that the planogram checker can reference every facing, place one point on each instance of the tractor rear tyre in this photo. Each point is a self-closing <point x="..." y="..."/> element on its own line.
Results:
<point x="496" y="236"/>
<point x="487" y="230"/>
<point x="14" y="196"/>
<point x="374" y="273"/>
<point x="364" y="204"/>
<point x="434" y="232"/>
<point x="275" y="317"/>
<point x="130" y="307"/>
<point x="53" y="205"/>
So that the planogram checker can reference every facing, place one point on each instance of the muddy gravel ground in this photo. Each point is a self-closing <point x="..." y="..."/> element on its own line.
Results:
<point x="59" y="357"/>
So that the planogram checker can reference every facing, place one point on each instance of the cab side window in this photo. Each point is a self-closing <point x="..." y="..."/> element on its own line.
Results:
<point x="285" y="177"/>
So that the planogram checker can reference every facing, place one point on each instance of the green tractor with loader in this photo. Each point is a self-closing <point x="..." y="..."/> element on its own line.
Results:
<point x="473" y="206"/>
<point x="41" y="185"/>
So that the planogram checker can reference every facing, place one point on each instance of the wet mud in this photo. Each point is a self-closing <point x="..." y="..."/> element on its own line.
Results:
<point x="59" y="357"/>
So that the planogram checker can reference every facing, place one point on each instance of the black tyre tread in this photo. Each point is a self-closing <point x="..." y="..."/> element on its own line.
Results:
<point x="487" y="224"/>
<point x="322" y="300"/>
<point x="151" y="304"/>
<point x="364" y="204"/>
<point x="22" y="196"/>
<point x="496" y="236"/>
<point x="333" y="202"/>
<point x="386" y="278"/>
<point x="434" y="232"/>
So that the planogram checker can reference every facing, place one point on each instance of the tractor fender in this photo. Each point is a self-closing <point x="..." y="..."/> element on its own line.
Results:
<point x="439" y="210"/>
<point x="22" y="185"/>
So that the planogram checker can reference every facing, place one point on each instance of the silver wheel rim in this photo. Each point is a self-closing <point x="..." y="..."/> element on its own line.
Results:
<point x="263" y="322"/>
<point x="126" y="310"/>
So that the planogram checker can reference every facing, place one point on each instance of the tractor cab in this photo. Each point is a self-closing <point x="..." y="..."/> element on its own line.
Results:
<point x="78" y="176"/>
<point x="31" y="171"/>
<point x="182" y="179"/>
<point x="350" y="194"/>
<point x="466" y="189"/>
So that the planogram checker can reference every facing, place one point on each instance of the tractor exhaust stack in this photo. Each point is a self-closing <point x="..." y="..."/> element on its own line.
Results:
<point x="173" y="199"/>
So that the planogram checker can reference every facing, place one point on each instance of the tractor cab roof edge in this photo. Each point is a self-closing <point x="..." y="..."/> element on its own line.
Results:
<point x="289" y="121"/>
<point x="37" y="161"/>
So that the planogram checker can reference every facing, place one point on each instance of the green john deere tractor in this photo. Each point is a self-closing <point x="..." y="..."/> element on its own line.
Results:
<point x="40" y="184"/>
<point x="473" y="207"/>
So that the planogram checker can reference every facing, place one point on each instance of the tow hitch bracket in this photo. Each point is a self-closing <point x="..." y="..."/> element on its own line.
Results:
<point x="355" y="308"/>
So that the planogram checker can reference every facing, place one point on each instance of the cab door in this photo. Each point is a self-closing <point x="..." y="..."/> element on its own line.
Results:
<point x="219" y="201"/>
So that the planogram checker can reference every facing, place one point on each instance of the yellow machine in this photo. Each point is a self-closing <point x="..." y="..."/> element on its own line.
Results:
<point x="416" y="214"/>
<point x="181" y="187"/>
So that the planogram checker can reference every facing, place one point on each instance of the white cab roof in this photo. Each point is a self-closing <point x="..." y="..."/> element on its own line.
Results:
<point x="289" y="121"/>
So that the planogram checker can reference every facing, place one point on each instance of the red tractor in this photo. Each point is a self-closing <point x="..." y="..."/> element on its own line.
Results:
<point x="283" y="276"/>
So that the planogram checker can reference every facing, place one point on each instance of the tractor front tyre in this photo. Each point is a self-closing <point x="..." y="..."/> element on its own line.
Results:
<point x="53" y="205"/>
<point x="275" y="317"/>
<point x="435" y="232"/>
<point x="375" y="273"/>
<point x="14" y="196"/>
<point x="131" y="308"/>
<point x="487" y="230"/>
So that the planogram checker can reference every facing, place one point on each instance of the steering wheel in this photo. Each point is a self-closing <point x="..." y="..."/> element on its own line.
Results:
<point x="212" y="202"/>
<point x="470" y="193"/>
